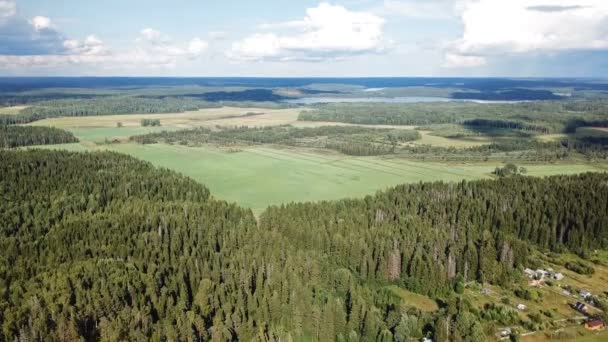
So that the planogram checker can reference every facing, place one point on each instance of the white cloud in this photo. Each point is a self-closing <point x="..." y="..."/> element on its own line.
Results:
<point x="517" y="26"/>
<point x="418" y="9"/>
<point x="461" y="61"/>
<point x="494" y="27"/>
<point x="8" y="8"/>
<point x="197" y="46"/>
<point x="153" y="36"/>
<point x="327" y="32"/>
<point x="41" y="23"/>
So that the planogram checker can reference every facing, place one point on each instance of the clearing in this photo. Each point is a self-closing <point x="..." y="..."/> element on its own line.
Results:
<point x="259" y="176"/>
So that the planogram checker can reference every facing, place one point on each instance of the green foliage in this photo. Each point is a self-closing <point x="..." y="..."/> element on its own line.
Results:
<point x="509" y="170"/>
<point x="100" y="246"/>
<point x="349" y="140"/>
<point x="150" y="122"/>
<point x="15" y="136"/>
<point x="580" y="267"/>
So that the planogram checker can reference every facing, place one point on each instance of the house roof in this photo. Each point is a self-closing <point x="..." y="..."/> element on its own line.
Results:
<point x="595" y="323"/>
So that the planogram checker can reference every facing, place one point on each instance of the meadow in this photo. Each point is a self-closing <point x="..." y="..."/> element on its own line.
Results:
<point x="259" y="176"/>
<point x="256" y="177"/>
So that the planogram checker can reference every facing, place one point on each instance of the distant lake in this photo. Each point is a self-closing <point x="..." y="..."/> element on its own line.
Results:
<point x="407" y="99"/>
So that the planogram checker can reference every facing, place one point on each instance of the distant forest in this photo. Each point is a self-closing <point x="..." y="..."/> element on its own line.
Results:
<point x="542" y="117"/>
<point x="106" y="247"/>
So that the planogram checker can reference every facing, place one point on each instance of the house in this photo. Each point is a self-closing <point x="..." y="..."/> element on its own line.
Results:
<point x="581" y="307"/>
<point x="521" y="307"/>
<point x="529" y="273"/>
<point x="594" y="324"/>
<point x="585" y="294"/>
<point x="558" y="276"/>
<point x="541" y="274"/>
<point x="506" y="332"/>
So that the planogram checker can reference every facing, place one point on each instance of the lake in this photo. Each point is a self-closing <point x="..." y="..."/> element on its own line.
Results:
<point x="406" y="99"/>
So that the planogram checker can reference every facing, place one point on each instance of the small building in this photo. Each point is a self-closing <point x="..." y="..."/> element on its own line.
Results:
<point x="529" y="273"/>
<point x="585" y="294"/>
<point x="426" y="339"/>
<point x="521" y="307"/>
<point x="581" y="307"/>
<point x="594" y="324"/>
<point x="541" y="274"/>
<point x="558" y="276"/>
<point x="566" y="293"/>
<point x="506" y="332"/>
<point x="486" y="291"/>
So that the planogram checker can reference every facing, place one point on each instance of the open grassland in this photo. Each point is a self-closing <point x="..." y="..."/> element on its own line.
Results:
<point x="14" y="110"/>
<point x="257" y="177"/>
<point x="414" y="300"/>
<point x="428" y="139"/>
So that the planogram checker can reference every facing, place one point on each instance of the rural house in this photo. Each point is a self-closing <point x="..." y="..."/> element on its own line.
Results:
<point x="595" y="324"/>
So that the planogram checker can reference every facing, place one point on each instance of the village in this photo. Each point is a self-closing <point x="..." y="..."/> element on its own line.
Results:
<point x="584" y="307"/>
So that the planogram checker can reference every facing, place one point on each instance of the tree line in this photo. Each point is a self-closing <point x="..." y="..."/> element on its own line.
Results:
<point x="541" y="117"/>
<point x="16" y="136"/>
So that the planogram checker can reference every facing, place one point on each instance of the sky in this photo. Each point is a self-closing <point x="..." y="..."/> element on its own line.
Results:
<point x="304" y="38"/>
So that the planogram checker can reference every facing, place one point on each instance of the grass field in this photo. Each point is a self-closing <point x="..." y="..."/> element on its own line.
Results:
<point x="258" y="177"/>
<point x="410" y="299"/>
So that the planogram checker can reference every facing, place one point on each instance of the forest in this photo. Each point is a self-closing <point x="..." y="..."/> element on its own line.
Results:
<point x="106" y="247"/>
<point x="350" y="140"/>
<point x="542" y="117"/>
<point x="16" y="136"/>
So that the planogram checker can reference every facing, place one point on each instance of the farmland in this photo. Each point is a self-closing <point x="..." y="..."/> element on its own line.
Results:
<point x="296" y="175"/>
<point x="291" y="174"/>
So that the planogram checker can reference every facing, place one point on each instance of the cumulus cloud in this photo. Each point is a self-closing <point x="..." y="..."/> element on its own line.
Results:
<point x="495" y="27"/>
<point x="8" y="8"/>
<point x="19" y="36"/>
<point x="326" y="32"/>
<point x="31" y="43"/>
<point x="41" y="23"/>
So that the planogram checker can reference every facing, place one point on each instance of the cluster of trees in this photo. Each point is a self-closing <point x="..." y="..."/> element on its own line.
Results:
<point x="541" y="117"/>
<point x="101" y="246"/>
<point x="513" y="125"/>
<point x="510" y="170"/>
<point x="104" y="105"/>
<point x="150" y="122"/>
<point x="15" y="136"/>
<point x="351" y="140"/>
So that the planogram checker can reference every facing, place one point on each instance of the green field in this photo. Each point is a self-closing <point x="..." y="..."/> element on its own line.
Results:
<point x="257" y="177"/>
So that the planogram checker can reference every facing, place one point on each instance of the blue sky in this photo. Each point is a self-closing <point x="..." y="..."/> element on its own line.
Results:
<point x="518" y="38"/>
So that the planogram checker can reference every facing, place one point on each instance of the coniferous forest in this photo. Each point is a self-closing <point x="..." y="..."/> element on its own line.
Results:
<point x="106" y="247"/>
<point x="16" y="136"/>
